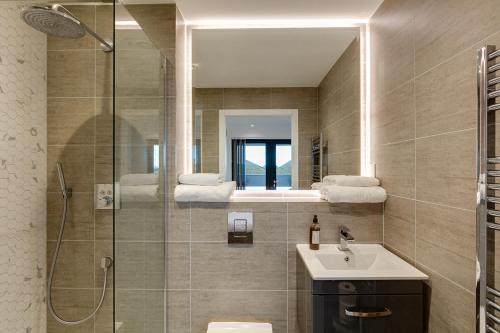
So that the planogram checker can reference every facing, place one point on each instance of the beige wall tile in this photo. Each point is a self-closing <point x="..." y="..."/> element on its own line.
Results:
<point x="451" y="307"/>
<point x="399" y="225"/>
<point x="451" y="254"/>
<point x="78" y="164"/>
<point x="79" y="217"/>
<point x="130" y="265"/>
<point x="395" y="167"/>
<point x="155" y="311"/>
<point x="61" y="69"/>
<point x="71" y="304"/>
<point x="446" y="169"/>
<point x="308" y="121"/>
<point x="70" y="121"/>
<point x="75" y="264"/>
<point x="157" y="21"/>
<point x="220" y="266"/>
<point x="178" y="266"/>
<point x="392" y="39"/>
<point x="345" y="134"/>
<point x="247" y="98"/>
<point x="259" y="306"/>
<point x="446" y="97"/>
<point x="393" y="116"/>
<point x="104" y="73"/>
<point x="345" y="163"/>
<point x="155" y="265"/>
<point x="294" y="98"/>
<point x="130" y="310"/>
<point x="364" y="220"/>
<point x="179" y="221"/>
<point x="178" y="311"/>
<point x="444" y="28"/>
<point x="208" y="99"/>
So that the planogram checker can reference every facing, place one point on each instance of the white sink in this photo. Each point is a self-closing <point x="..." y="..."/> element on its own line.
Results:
<point x="361" y="262"/>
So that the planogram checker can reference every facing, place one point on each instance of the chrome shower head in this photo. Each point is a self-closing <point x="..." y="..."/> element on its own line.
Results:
<point x="53" y="21"/>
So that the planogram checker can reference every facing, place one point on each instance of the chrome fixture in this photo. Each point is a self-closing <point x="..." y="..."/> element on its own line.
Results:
<point x="106" y="262"/>
<point x="345" y="238"/>
<point x="486" y="212"/>
<point x="57" y="21"/>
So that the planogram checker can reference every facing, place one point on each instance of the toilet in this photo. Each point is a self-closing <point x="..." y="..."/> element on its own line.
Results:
<point x="239" y="327"/>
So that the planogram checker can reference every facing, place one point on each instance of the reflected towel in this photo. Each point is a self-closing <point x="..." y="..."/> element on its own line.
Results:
<point x="219" y="193"/>
<point x="142" y="193"/>
<point x="202" y="179"/>
<point x="137" y="179"/>
<point x="355" y="181"/>
<point x="350" y="194"/>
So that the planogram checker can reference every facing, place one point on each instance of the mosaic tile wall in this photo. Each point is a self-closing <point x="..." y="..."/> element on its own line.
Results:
<point x="23" y="145"/>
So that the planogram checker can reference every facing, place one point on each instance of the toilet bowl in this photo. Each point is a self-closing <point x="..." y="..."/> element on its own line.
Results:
<point x="239" y="327"/>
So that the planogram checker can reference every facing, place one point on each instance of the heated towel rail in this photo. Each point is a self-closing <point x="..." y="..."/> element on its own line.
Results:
<point x="488" y="169"/>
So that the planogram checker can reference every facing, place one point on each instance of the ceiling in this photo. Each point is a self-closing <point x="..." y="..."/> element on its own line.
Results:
<point x="196" y="10"/>
<point x="266" y="57"/>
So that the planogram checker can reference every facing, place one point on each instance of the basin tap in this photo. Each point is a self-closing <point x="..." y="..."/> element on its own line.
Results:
<point x="345" y="238"/>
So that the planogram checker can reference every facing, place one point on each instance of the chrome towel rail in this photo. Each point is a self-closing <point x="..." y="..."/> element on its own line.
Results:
<point x="494" y="55"/>
<point x="486" y="212"/>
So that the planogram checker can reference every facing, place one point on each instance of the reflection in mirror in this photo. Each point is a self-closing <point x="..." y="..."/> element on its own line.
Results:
<point x="276" y="109"/>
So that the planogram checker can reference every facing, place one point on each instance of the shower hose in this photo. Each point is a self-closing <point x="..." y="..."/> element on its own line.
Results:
<point x="106" y="263"/>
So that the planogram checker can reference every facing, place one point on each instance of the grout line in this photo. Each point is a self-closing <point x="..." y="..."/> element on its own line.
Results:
<point x="414" y="106"/>
<point x="445" y="133"/>
<point x="432" y="203"/>
<point x="444" y="278"/>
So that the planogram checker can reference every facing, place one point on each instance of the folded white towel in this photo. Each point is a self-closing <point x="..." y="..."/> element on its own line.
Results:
<point x="350" y="194"/>
<point x="219" y="193"/>
<point x="141" y="193"/>
<point x="317" y="186"/>
<point x="136" y="179"/>
<point x="331" y="179"/>
<point x="203" y="179"/>
<point x="357" y="181"/>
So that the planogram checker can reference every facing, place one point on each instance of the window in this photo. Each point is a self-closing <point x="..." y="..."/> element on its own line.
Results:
<point x="262" y="164"/>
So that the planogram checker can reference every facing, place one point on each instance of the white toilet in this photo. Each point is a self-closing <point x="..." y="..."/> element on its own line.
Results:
<point x="239" y="327"/>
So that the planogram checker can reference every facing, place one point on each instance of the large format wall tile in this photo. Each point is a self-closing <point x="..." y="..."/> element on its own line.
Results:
<point x="399" y="225"/>
<point x="261" y="266"/>
<point x="451" y="254"/>
<point x="446" y="169"/>
<point x="62" y="66"/>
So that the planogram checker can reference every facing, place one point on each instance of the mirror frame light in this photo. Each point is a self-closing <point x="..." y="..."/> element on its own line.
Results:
<point x="184" y="112"/>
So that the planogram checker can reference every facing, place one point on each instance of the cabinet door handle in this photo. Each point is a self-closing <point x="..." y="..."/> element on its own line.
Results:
<point x="367" y="312"/>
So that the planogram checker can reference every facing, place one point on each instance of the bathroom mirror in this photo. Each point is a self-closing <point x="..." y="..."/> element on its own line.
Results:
<point x="274" y="116"/>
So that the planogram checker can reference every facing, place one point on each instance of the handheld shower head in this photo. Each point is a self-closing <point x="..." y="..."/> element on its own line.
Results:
<point x="66" y="192"/>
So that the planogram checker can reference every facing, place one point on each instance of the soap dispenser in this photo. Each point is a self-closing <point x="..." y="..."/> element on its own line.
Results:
<point x="314" y="234"/>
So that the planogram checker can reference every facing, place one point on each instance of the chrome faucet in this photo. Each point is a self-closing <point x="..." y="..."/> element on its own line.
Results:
<point x="345" y="238"/>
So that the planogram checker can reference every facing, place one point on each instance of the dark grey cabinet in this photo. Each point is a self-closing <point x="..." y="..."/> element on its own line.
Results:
<point x="358" y="306"/>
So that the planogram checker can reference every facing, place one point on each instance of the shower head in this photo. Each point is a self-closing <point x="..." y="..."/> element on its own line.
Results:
<point x="52" y="21"/>
<point x="66" y="192"/>
<point x="57" y="21"/>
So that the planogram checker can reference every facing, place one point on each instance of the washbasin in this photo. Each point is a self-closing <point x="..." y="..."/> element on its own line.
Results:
<point x="360" y="262"/>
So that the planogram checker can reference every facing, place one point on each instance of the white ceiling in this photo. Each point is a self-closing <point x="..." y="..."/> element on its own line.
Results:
<point x="267" y="57"/>
<point x="269" y="127"/>
<point x="196" y="10"/>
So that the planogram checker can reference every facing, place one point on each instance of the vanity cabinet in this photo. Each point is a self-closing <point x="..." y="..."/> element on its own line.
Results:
<point x="358" y="306"/>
